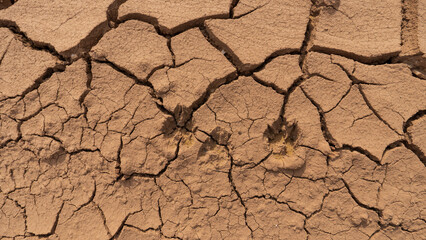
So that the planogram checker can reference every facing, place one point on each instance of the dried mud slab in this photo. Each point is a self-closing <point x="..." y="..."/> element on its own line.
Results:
<point x="328" y="82"/>
<point x="360" y="175"/>
<point x="196" y="184"/>
<point x="413" y="30"/>
<point x="397" y="233"/>
<point x="8" y="128"/>
<point x="43" y="187"/>
<point x="238" y="114"/>
<point x="269" y="219"/>
<point x="281" y="72"/>
<point x="133" y="233"/>
<point x="365" y="30"/>
<point x="278" y="27"/>
<point x="282" y="186"/>
<point x="202" y="164"/>
<point x="389" y="95"/>
<point x="199" y="69"/>
<point x="69" y="28"/>
<point x="300" y="111"/>
<point x="247" y="6"/>
<point x="422" y="25"/>
<point x="395" y="190"/>
<point x="127" y="122"/>
<point x="21" y="66"/>
<point x="173" y="17"/>
<point x="51" y="109"/>
<point x="353" y="123"/>
<point x="392" y="91"/>
<point x="135" y="55"/>
<point x="250" y="119"/>
<point x="417" y="134"/>
<point x="12" y="217"/>
<point x="89" y="220"/>
<point x="118" y="201"/>
<point x="402" y="196"/>
<point x="341" y="216"/>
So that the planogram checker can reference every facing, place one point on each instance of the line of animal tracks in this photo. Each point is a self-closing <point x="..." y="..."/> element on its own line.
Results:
<point x="212" y="119"/>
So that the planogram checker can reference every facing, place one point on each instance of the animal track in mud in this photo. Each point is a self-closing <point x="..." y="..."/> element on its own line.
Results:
<point x="216" y="119"/>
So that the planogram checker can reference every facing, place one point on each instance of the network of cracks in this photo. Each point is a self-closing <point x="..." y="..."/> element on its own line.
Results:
<point x="216" y="119"/>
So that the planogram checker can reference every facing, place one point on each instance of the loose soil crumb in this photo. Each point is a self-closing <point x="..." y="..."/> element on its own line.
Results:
<point x="216" y="119"/>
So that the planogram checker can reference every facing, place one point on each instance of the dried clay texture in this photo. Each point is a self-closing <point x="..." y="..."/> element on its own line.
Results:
<point x="213" y="119"/>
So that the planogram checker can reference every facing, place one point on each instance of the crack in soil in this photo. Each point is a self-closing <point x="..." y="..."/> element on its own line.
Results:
<point x="86" y="153"/>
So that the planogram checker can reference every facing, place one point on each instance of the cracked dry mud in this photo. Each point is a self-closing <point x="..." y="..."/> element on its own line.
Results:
<point x="214" y="119"/>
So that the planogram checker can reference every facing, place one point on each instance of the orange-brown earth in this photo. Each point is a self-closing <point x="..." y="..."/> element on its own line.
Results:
<point x="213" y="119"/>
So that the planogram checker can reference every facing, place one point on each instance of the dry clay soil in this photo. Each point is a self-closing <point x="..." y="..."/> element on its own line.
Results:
<point x="212" y="119"/>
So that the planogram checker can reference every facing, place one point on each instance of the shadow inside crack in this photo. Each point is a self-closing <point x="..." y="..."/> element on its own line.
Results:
<point x="169" y="126"/>
<point x="207" y="146"/>
<point x="6" y="3"/>
<point x="182" y="114"/>
<point x="332" y="6"/>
